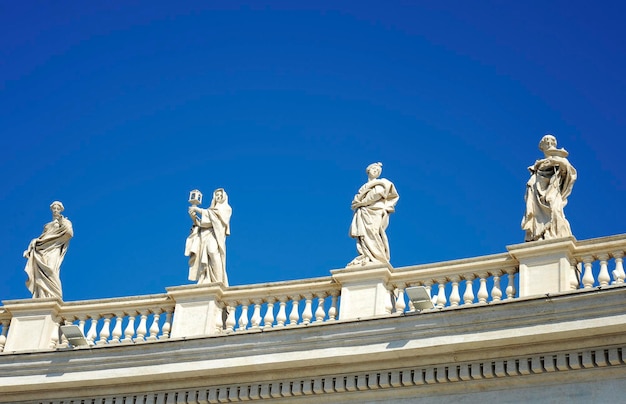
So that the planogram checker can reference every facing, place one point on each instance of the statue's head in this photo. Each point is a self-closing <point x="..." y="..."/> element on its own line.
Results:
<point x="56" y="205"/>
<point x="374" y="170"/>
<point x="547" y="142"/>
<point x="219" y="195"/>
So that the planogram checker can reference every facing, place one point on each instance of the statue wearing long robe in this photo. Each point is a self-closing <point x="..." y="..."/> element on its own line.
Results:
<point x="372" y="206"/>
<point x="551" y="181"/>
<point x="45" y="255"/>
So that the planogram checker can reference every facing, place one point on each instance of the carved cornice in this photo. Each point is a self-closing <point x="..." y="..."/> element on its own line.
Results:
<point x="473" y="376"/>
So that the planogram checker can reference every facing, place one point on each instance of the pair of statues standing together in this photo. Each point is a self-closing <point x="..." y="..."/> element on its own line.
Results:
<point x="547" y="190"/>
<point x="551" y="181"/>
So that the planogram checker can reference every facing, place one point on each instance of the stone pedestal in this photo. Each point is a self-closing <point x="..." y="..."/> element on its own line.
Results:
<point x="197" y="311"/>
<point x="363" y="290"/>
<point x="33" y="324"/>
<point x="545" y="266"/>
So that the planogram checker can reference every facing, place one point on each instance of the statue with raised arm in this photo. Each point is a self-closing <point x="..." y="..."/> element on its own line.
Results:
<point x="372" y="205"/>
<point x="206" y="245"/>
<point x="45" y="255"/>
<point x="550" y="184"/>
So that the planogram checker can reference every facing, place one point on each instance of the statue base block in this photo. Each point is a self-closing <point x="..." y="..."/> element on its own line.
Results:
<point x="545" y="266"/>
<point x="363" y="290"/>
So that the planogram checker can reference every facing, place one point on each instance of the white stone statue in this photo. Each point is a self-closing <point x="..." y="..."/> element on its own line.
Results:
<point x="206" y="245"/>
<point x="372" y="206"/>
<point x="551" y="181"/>
<point x="45" y="255"/>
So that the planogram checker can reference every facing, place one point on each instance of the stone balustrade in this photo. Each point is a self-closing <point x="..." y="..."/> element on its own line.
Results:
<point x="5" y="320"/>
<point x="352" y="293"/>
<point x="600" y="262"/>
<point x="122" y="320"/>
<point x="456" y="283"/>
<point x="280" y="304"/>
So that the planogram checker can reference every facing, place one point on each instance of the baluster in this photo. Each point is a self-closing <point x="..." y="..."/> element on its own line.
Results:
<point x="579" y="274"/>
<point x="243" y="318"/>
<point x="400" y="303"/>
<point x="455" y="297"/>
<point x="588" y="276"/>
<point x="332" y="312"/>
<point x="154" y="327"/>
<point x="3" y="335"/>
<point x="618" y="273"/>
<point x="105" y="331"/>
<point x="117" y="329"/>
<point x="231" y="321"/>
<point x="167" y="325"/>
<point x="268" y="320"/>
<point x="81" y="324"/>
<point x="441" y="293"/>
<point x="129" y="331"/>
<point x="496" y="292"/>
<point x="307" y="314"/>
<point x="64" y="343"/>
<point x="319" y="312"/>
<point x="219" y="321"/>
<point x="468" y="296"/>
<point x="482" y="289"/>
<point x="294" y="316"/>
<point x="256" y="315"/>
<point x="510" y="287"/>
<point x="603" y="277"/>
<point x="282" y="311"/>
<point x="92" y="333"/>
<point x="255" y="321"/>
<point x="142" y="329"/>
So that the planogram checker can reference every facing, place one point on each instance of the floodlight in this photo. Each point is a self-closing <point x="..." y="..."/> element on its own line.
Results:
<point x="74" y="335"/>
<point x="418" y="295"/>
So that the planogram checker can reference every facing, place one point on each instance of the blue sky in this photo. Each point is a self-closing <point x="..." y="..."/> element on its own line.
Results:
<point x="119" y="109"/>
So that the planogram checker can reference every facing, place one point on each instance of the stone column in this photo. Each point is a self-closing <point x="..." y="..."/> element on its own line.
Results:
<point x="198" y="309"/>
<point x="545" y="266"/>
<point x="363" y="290"/>
<point x="33" y="324"/>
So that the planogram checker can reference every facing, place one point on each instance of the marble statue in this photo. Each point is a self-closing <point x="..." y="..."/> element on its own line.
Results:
<point x="551" y="181"/>
<point x="372" y="206"/>
<point x="206" y="245"/>
<point x="45" y="255"/>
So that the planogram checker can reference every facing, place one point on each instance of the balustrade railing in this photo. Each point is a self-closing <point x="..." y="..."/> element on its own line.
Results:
<point x="121" y="320"/>
<point x="600" y="262"/>
<point x="281" y="304"/>
<point x="5" y="320"/>
<point x="451" y="284"/>
<point x="456" y="283"/>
